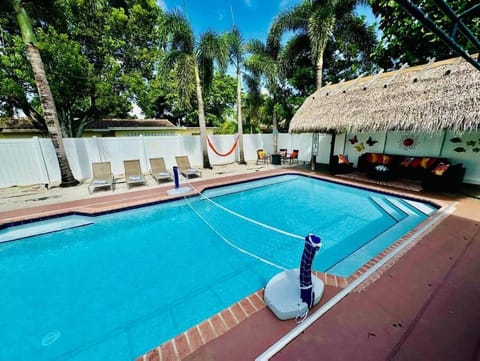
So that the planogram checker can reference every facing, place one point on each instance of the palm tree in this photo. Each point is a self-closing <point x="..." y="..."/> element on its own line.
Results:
<point x="192" y="62"/>
<point x="236" y="47"/>
<point x="44" y="93"/>
<point x="316" y="19"/>
<point x="263" y="63"/>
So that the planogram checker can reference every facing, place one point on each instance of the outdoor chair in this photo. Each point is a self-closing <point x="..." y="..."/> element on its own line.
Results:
<point x="158" y="170"/>
<point x="283" y="154"/>
<point x="262" y="156"/>
<point x="102" y="176"/>
<point x="133" y="173"/>
<point x="293" y="157"/>
<point x="185" y="168"/>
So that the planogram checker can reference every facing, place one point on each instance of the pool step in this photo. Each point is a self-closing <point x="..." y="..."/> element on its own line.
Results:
<point x="43" y="227"/>
<point x="390" y="208"/>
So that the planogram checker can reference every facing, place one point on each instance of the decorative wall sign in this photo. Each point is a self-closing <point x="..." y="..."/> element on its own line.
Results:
<point x="456" y="140"/>
<point x="370" y="142"/>
<point x="353" y="140"/>
<point x="409" y="142"/>
<point x="359" y="147"/>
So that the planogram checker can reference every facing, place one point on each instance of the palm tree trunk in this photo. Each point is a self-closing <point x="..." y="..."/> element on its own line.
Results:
<point x="44" y="93"/>
<point x="201" y="119"/>
<point x="319" y="69"/>
<point x="239" y="117"/>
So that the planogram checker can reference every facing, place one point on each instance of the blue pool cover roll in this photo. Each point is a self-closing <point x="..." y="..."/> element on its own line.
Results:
<point x="312" y="244"/>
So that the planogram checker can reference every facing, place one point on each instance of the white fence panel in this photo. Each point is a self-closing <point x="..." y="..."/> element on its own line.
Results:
<point x="28" y="161"/>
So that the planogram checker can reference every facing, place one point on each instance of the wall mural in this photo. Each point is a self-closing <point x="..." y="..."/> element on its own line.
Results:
<point x="361" y="146"/>
<point x="471" y="144"/>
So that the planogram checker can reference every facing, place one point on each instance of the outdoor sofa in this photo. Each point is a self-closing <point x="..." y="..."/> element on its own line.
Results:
<point x="432" y="172"/>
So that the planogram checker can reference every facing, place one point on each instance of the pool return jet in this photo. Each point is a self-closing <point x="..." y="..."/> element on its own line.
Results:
<point x="292" y="293"/>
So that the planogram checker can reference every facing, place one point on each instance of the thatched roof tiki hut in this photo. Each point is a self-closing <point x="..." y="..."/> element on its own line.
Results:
<point x="426" y="98"/>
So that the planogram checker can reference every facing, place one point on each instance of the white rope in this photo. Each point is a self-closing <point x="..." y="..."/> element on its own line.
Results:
<point x="233" y="245"/>
<point x="247" y="218"/>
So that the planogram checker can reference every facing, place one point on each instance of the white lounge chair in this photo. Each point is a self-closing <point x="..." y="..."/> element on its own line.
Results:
<point x="158" y="170"/>
<point x="133" y="173"/>
<point x="102" y="176"/>
<point x="185" y="168"/>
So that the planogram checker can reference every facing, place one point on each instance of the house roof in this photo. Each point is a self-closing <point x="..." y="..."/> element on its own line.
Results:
<point x="430" y="97"/>
<point x="104" y="124"/>
<point x="130" y="123"/>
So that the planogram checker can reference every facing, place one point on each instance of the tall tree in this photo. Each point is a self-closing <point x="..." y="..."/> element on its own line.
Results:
<point x="192" y="63"/>
<point x="316" y="19"/>
<point x="263" y="70"/>
<point x="236" y="46"/>
<point x="45" y="95"/>
<point x="407" y="40"/>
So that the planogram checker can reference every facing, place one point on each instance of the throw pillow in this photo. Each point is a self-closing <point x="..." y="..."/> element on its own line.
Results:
<point x="440" y="168"/>
<point x="377" y="158"/>
<point x="387" y="159"/>
<point x="343" y="159"/>
<point x="406" y="161"/>
<point x="427" y="162"/>
<point x="261" y="154"/>
<point x="415" y="162"/>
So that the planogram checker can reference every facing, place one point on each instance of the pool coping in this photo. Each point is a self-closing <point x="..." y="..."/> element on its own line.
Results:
<point x="189" y="341"/>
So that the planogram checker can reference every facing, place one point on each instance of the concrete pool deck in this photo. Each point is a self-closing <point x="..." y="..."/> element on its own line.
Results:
<point x="423" y="306"/>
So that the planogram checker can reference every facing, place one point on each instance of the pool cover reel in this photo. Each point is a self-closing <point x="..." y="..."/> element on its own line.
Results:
<point x="312" y="245"/>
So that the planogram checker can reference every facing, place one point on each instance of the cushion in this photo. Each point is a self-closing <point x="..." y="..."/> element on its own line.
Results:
<point x="427" y="162"/>
<point x="415" y="162"/>
<point x="283" y="153"/>
<point x="261" y="154"/>
<point x="440" y="168"/>
<point x="343" y="159"/>
<point x="293" y="155"/>
<point x="377" y="158"/>
<point x="406" y="161"/>
<point x="387" y="159"/>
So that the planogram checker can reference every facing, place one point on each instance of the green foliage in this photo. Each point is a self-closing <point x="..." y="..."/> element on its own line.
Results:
<point x="405" y="39"/>
<point x="98" y="59"/>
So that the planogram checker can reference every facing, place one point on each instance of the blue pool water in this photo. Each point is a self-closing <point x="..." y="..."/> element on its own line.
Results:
<point x="115" y="286"/>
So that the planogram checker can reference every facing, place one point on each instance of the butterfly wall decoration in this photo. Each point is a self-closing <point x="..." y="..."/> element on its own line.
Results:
<point x="359" y="147"/>
<point x="353" y="140"/>
<point x="370" y="142"/>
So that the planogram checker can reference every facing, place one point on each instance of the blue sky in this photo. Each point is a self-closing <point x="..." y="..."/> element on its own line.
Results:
<point x="252" y="17"/>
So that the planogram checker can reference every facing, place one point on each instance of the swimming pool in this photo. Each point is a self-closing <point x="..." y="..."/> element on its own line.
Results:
<point x="114" y="286"/>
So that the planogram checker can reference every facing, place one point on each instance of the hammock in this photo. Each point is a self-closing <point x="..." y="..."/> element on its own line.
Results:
<point x="223" y="154"/>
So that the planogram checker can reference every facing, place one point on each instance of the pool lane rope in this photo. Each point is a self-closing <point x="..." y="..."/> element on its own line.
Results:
<point x="278" y="230"/>
<point x="258" y="258"/>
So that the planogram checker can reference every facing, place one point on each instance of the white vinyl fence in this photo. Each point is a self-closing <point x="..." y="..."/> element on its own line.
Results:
<point x="33" y="161"/>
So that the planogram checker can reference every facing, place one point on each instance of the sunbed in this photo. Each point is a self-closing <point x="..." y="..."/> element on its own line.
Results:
<point x="102" y="176"/>
<point x="133" y="173"/>
<point x="185" y="168"/>
<point x="158" y="170"/>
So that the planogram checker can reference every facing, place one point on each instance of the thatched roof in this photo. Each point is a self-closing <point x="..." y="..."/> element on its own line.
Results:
<point x="430" y="97"/>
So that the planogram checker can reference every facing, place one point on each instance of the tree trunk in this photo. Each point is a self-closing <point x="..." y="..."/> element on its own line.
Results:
<point x="201" y="119"/>
<point x="239" y="117"/>
<point x="275" y="132"/>
<point x="319" y="69"/>
<point x="44" y="94"/>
